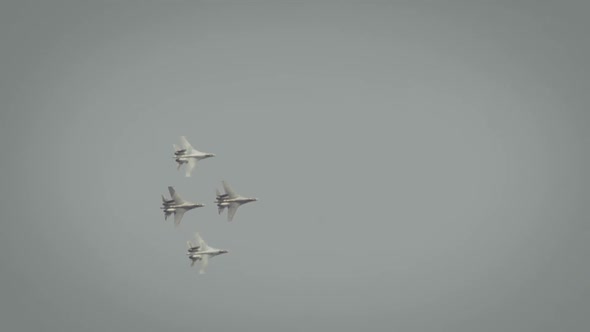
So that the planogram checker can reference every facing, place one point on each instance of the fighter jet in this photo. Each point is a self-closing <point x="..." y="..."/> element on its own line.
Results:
<point x="188" y="155"/>
<point x="177" y="205"/>
<point x="231" y="201"/>
<point x="202" y="252"/>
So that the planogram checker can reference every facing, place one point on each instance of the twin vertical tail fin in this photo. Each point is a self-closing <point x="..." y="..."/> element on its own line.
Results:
<point x="176" y="149"/>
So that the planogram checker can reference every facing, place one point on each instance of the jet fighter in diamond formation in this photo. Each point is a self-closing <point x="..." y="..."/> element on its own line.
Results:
<point x="188" y="155"/>
<point x="177" y="206"/>
<point x="230" y="200"/>
<point x="202" y="252"/>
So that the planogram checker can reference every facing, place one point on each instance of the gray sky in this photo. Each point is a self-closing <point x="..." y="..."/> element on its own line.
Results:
<point x="421" y="166"/>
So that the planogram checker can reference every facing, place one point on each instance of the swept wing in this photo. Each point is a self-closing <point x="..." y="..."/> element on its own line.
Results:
<point x="178" y="216"/>
<point x="190" y="165"/>
<point x="229" y="191"/>
<point x="231" y="210"/>
<point x="175" y="196"/>
<point x="186" y="145"/>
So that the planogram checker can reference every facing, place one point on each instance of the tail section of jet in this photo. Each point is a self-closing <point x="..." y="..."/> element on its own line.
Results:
<point x="191" y="248"/>
<point x="177" y="150"/>
<point x="166" y="201"/>
<point x="167" y="214"/>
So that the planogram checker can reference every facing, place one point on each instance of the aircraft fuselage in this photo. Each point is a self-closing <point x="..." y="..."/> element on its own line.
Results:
<point x="183" y="206"/>
<point x="241" y="200"/>
<point x="198" y="254"/>
<point x="197" y="156"/>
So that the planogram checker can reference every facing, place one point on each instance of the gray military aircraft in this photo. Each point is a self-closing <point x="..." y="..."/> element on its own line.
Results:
<point x="188" y="155"/>
<point x="230" y="200"/>
<point x="176" y="206"/>
<point x="202" y="252"/>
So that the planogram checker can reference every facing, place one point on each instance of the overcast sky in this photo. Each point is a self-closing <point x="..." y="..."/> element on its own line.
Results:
<point x="420" y="165"/>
